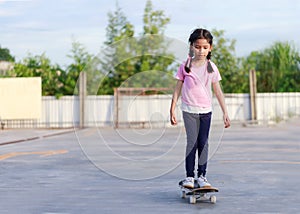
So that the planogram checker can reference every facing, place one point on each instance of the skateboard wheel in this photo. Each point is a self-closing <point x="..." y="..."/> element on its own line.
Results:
<point x="213" y="199"/>
<point x="193" y="200"/>
<point x="183" y="194"/>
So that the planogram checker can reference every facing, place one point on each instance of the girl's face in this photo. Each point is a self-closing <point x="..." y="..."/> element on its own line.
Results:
<point x="201" y="49"/>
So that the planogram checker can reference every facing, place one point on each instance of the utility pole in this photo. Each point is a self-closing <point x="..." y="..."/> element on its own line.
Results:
<point x="82" y="96"/>
<point x="253" y="90"/>
<point x="116" y="108"/>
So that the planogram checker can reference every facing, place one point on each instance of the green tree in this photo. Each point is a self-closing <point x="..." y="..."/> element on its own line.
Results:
<point x="55" y="81"/>
<point x="125" y="55"/>
<point x="223" y="54"/>
<point x="5" y="55"/>
<point x="40" y="66"/>
<point x="277" y="68"/>
<point x="152" y="46"/>
<point x="119" y="37"/>
<point x="81" y="59"/>
<point x="155" y="21"/>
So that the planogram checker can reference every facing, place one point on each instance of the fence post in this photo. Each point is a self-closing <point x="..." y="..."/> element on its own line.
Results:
<point x="82" y="96"/>
<point x="253" y="90"/>
<point x="116" y="109"/>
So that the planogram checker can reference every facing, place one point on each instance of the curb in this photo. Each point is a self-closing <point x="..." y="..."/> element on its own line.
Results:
<point x="37" y="137"/>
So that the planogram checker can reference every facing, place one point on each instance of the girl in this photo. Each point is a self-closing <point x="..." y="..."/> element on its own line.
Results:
<point x="194" y="80"/>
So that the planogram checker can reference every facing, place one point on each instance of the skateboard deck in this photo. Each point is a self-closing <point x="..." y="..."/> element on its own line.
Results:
<point x="198" y="193"/>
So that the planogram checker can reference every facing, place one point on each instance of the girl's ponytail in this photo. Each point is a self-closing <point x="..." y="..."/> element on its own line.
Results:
<point x="209" y="67"/>
<point x="188" y="63"/>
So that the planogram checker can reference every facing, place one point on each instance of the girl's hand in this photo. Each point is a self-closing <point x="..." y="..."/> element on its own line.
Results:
<point x="173" y="119"/>
<point x="174" y="100"/>
<point x="226" y="121"/>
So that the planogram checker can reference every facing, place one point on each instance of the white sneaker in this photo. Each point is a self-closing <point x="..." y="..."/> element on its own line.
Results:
<point x="188" y="182"/>
<point x="202" y="181"/>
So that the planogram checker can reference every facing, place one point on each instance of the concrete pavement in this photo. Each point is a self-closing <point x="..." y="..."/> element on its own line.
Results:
<point x="257" y="170"/>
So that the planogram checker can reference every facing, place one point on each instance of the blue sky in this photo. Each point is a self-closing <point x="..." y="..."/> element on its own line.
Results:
<point x="49" y="26"/>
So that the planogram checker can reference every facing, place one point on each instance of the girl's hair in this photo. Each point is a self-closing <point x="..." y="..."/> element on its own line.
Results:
<point x="200" y="33"/>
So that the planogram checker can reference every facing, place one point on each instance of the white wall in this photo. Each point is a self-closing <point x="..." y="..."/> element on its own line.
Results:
<point x="153" y="110"/>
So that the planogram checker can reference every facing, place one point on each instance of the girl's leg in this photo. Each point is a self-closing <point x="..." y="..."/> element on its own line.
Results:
<point x="205" y="121"/>
<point x="191" y="123"/>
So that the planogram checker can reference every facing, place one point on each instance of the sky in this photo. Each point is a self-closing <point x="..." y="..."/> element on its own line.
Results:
<point x="50" y="26"/>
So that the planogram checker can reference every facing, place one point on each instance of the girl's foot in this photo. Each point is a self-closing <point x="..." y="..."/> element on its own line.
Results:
<point x="202" y="181"/>
<point x="188" y="182"/>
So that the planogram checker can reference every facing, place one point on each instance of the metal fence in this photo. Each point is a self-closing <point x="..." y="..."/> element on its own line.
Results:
<point x="153" y="111"/>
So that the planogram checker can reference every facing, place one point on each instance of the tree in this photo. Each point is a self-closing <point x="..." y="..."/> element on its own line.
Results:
<point x="81" y="59"/>
<point x="55" y="81"/>
<point x="235" y="79"/>
<point x="155" y="22"/>
<point x="119" y="36"/>
<point x="5" y="55"/>
<point x="126" y="56"/>
<point x="277" y="68"/>
<point x="40" y="66"/>
<point x="153" y="47"/>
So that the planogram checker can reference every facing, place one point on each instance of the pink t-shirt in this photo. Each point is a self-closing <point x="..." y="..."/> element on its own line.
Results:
<point x="196" y="89"/>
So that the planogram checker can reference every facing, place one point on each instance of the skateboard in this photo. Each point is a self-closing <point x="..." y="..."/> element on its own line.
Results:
<point x="198" y="193"/>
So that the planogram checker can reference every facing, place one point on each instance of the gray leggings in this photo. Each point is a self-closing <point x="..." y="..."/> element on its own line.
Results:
<point x="197" y="131"/>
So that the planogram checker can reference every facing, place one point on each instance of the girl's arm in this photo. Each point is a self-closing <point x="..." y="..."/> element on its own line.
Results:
<point x="175" y="97"/>
<point x="219" y="94"/>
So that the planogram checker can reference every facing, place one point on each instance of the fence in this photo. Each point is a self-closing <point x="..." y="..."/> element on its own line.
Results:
<point x="153" y="110"/>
